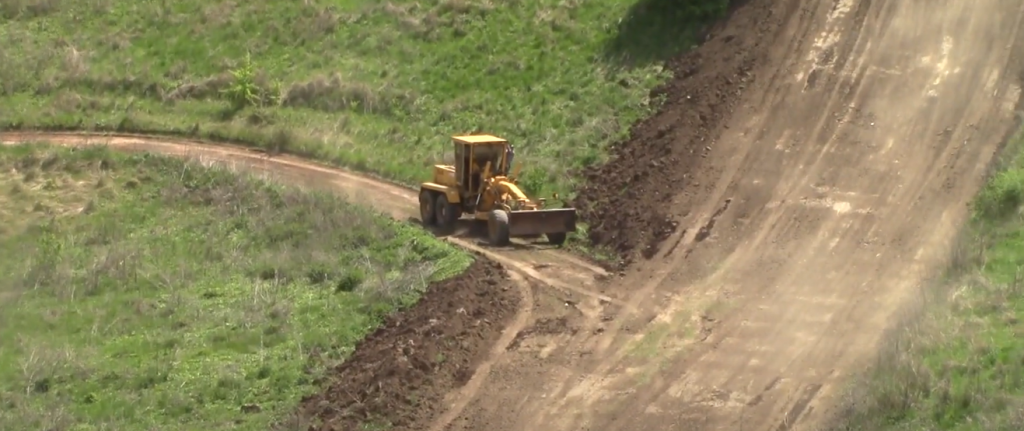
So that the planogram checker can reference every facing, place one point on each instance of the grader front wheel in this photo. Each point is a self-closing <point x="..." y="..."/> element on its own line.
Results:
<point x="556" y="238"/>
<point x="497" y="228"/>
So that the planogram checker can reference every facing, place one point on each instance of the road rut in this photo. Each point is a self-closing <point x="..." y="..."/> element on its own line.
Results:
<point x="828" y="197"/>
<point x="830" y="193"/>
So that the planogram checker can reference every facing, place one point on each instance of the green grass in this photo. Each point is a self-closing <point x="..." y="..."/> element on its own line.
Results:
<point x="377" y="86"/>
<point x="142" y="292"/>
<point x="959" y="362"/>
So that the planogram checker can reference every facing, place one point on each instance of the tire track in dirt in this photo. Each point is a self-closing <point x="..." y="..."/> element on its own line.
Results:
<point x="824" y="194"/>
<point x="821" y="167"/>
<point x="700" y="222"/>
<point x="464" y="395"/>
<point x="722" y="389"/>
<point x="836" y="190"/>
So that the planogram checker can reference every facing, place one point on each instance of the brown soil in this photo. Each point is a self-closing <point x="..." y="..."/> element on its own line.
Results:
<point x="400" y="374"/>
<point x="822" y="194"/>
<point x="624" y="201"/>
<point x="544" y="326"/>
<point x="817" y="156"/>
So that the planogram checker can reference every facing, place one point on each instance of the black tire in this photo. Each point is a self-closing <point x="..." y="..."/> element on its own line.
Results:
<point x="557" y="238"/>
<point x="497" y="228"/>
<point x="445" y="213"/>
<point x="427" y="208"/>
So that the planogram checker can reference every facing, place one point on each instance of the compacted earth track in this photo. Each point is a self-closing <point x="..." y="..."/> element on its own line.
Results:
<point x="826" y="150"/>
<point x="546" y="279"/>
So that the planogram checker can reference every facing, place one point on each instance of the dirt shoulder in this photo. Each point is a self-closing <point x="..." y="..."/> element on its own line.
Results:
<point x="627" y="201"/>
<point x="399" y="375"/>
<point x="828" y="195"/>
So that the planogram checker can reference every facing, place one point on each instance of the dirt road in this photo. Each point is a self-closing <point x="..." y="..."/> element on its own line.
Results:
<point x="825" y="194"/>
<point x="839" y="142"/>
<point x="548" y="279"/>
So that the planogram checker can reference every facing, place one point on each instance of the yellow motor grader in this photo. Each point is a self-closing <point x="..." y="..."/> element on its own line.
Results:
<point x="481" y="183"/>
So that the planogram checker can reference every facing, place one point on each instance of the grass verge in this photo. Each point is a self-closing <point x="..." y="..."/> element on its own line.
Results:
<point x="376" y="86"/>
<point x="145" y="292"/>
<point x="959" y="363"/>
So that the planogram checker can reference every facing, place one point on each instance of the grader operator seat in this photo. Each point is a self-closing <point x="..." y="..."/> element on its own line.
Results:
<point x="472" y="153"/>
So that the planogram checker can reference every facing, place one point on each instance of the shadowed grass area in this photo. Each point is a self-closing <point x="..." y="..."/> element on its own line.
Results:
<point x="653" y="31"/>
<point x="378" y="86"/>
<point x="143" y="292"/>
<point x="958" y="362"/>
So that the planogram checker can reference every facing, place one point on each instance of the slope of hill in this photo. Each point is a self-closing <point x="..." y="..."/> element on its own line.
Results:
<point x="957" y="363"/>
<point x="378" y="86"/>
<point x="149" y="293"/>
<point x="808" y="212"/>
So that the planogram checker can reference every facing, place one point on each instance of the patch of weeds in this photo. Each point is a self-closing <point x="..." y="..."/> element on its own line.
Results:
<point x="957" y="362"/>
<point x="180" y="297"/>
<point x="373" y="86"/>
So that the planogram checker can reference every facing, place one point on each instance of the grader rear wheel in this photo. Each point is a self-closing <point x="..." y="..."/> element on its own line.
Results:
<point x="427" y="208"/>
<point x="446" y="213"/>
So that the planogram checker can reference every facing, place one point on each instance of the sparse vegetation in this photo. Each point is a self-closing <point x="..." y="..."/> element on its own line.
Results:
<point x="144" y="292"/>
<point x="959" y="362"/>
<point x="378" y="86"/>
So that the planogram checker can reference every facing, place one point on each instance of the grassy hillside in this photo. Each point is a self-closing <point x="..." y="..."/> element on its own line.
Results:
<point x="376" y="85"/>
<point x="145" y="293"/>
<point x="960" y="364"/>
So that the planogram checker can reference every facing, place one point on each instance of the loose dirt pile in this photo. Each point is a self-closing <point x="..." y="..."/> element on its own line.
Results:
<point x="400" y="374"/>
<point x="626" y="201"/>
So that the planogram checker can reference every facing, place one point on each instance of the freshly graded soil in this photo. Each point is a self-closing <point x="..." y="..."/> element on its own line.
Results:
<point x="627" y="202"/>
<point x="399" y="375"/>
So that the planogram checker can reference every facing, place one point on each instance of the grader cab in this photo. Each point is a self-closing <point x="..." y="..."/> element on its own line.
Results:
<point x="481" y="184"/>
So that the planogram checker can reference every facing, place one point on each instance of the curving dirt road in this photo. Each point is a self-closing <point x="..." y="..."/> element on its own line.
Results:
<point x="830" y="191"/>
<point x="569" y="282"/>
<point x="533" y="260"/>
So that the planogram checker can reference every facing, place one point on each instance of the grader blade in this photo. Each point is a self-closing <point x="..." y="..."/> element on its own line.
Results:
<point x="539" y="222"/>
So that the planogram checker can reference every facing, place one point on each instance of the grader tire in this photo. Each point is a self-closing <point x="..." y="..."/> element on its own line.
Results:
<point x="557" y="238"/>
<point x="446" y="213"/>
<point x="427" y="208"/>
<point x="497" y="228"/>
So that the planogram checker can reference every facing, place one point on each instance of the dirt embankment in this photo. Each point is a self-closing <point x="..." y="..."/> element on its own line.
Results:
<point x="400" y="374"/>
<point x="626" y="201"/>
